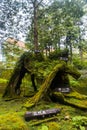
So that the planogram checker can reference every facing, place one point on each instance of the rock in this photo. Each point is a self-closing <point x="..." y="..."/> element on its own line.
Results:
<point x="67" y="117"/>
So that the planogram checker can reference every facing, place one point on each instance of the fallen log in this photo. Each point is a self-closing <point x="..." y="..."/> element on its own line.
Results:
<point x="41" y="114"/>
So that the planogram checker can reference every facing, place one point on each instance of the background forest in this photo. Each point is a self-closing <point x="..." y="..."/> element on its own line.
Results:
<point x="44" y="25"/>
<point x="50" y="27"/>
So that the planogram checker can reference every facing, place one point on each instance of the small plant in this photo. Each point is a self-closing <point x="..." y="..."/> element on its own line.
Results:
<point x="79" y="122"/>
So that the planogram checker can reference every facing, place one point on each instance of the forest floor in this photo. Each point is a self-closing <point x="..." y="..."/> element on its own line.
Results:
<point x="70" y="118"/>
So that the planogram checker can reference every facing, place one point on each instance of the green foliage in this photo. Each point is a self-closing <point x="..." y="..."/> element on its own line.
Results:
<point x="77" y="63"/>
<point x="79" y="121"/>
<point x="14" y="50"/>
<point x="39" y="56"/>
<point x="55" y="21"/>
<point x="74" y="83"/>
<point x="66" y="125"/>
<point x="82" y="127"/>
<point x="55" y="55"/>
<point x="6" y="73"/>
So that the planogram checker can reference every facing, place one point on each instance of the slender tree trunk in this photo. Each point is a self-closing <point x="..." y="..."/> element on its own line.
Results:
<point x="35" y="26"/>
<point x="46" y="52"/>
<point x="80" y="46"/>
<point x="81" y="54"/>
<point x="59" y="44"/>
<point x="71" y="55"/>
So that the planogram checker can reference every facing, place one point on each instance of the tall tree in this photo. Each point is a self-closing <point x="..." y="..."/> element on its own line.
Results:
<point x="73" y="13"/>
<point x="36" y="4"/>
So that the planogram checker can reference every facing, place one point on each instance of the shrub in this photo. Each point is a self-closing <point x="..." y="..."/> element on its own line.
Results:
<point x="80" y="65"/>
<point x="57" y="54"/>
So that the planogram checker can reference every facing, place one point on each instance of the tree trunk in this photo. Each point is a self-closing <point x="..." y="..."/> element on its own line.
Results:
<point x="35" y="26"/>
<point x="13" y="86"/>
<point x="71" y="53"/>
<point x="24" y="65"/>
<point x="81" y="54"/>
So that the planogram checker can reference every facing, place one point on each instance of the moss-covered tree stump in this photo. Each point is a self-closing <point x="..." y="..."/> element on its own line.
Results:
<point x="58" y="77"/>
<point x="53" y="76"/>
<point x="25" y="64"/>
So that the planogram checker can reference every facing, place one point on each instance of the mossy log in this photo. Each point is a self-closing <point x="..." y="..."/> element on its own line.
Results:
<point x="46" y="87"/>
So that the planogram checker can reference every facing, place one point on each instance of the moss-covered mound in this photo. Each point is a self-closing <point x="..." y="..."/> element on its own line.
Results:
<point x="12" y="121"/>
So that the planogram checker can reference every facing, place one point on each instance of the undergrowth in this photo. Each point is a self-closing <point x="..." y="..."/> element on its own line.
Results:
<point x="71" y="118"/>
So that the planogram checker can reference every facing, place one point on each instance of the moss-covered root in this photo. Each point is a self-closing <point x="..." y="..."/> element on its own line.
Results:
<point x="44" y="87"/>
<point x="80" y="102"/>
<point x="38" y="122"/>
<point x="74" y="94"/>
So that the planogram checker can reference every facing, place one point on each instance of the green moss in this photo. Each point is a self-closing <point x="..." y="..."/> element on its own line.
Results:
<point x="74" y="99"/>
<point x="39" y="122"/>
<point x="45" y="86"/>
<point x="53" y="126"/>
<point x="73" y="71"/>
<point x="2" y="85"/>
<point x="76" y="95"/>
<point x="67" y="125"/>
<point x="74" y="83"/>
<point x="82" y="104"/>
<point x="3" y="80"/>
<point x="12" y="121"/>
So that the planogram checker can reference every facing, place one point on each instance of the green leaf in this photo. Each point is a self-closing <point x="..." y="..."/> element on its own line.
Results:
<point x="82" y="127"/>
